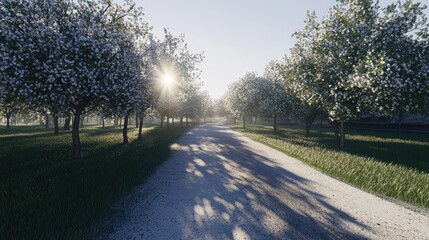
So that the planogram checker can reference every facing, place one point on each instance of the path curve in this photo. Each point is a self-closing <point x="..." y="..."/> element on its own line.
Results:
<point x="221" y="185"/>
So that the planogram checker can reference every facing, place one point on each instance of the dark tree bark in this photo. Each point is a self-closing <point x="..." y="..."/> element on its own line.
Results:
<point x="172" y="121"/>
<point x="46" y="121"/>
<point x="115" y="122"/>
<point x="140" y="137"/>
<point x="102" y="122"/>
<point x="275" y="124"/>
<point x="244" y="122"/>
<point x="137" y="120"/>
<point x="125" y="130"/>
<point x="67" y="122"/>
<point x="342" y="135"/>
<point x="8" y="116"/>
<point x="56" y="124"/>
<point x="309" y="122"/>
<point x="337" y="132"/>
<point x="186" y="121"/>
<point x="76" y="154"/>
<point x="120" y="122"/>
<point x="401" y="118"/>
<point x="168" y="122"/>
<point x="181" y="121"/>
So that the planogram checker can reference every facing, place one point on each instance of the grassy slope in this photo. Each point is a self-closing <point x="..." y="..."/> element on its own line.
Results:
<point x="395" y="165"/>
<point x="45" y="195"/>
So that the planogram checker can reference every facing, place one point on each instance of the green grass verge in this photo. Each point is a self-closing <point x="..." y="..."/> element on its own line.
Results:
<point x="389" y="164"/>
<point x="46" y="195"/>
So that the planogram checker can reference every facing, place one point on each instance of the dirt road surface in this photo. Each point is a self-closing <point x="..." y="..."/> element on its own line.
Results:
<point x="221" y="185"/>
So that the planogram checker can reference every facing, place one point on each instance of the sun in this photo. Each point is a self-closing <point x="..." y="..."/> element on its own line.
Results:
<point x="168" y="79"/>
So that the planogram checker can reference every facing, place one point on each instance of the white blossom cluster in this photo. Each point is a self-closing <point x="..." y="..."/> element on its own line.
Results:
<point x="361" y="58"/>
<point x="71" y="55"/>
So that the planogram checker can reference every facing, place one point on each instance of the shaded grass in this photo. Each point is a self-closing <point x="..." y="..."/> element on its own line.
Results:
<point x="389" y="164"/>
<point x="46" y="195"/>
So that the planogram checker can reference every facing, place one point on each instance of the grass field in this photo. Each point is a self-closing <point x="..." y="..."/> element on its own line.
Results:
<point x="45" y="195"/>
<point x="389" y="164"/>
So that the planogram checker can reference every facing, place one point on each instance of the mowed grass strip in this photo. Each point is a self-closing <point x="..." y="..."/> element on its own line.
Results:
<point x="46" y="195"/>
<point x="390" y="164"/>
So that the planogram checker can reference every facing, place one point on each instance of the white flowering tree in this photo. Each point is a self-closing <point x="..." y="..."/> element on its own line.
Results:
<point x="300" y="75"/>
<point x="89" y="59"/>
<point x="31" y="51"/>
<point x="175" y="78"/>
<point x="243" y="96"/>
<point x="395" y="71"/>
<point x="274" y="101"/>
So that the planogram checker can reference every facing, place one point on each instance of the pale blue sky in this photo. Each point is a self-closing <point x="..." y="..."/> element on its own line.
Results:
<point x="235" y="36"/>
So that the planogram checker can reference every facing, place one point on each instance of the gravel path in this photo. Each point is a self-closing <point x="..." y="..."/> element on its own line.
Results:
<point x="221" y="185"/>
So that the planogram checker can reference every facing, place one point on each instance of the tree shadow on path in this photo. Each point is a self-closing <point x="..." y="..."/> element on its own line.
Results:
<point x="226" y="190"/>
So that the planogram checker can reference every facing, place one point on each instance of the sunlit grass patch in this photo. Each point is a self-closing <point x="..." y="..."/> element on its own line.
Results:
<point x="394" y="165"/>
<point x="46" y="195"/>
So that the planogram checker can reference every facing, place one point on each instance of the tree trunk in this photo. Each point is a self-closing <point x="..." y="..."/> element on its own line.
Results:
<point x="76" y="154"/>
<point x="275" y="124"/>
<point x="46" y="121"/>
<point x="181" y="121"/>
<point x="308" y="122"/>
<point x="82" y="118"/>
<point x="186" y="121"/>
<point x="56" y="128"/>
<point x="244" y="122"/>
<point x="115" y="122"/>
<point x="162" y="121"/>
<point x="102" y="122"/>
<point x="172" y="121"/>
<point x="67" y="122"/>
<point x="401" y="119"/>
<point x="120" y="122"/>
<point x="140" y="137"/>
<point x="137" y="120"/>
<point x="342" y="135"/>
<point x="125" y="130"/>
<point x="168" y="122"/>
<point x="337" y="132"/>
<point x="8" y="120"/>
<point x="307" y="128"/>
